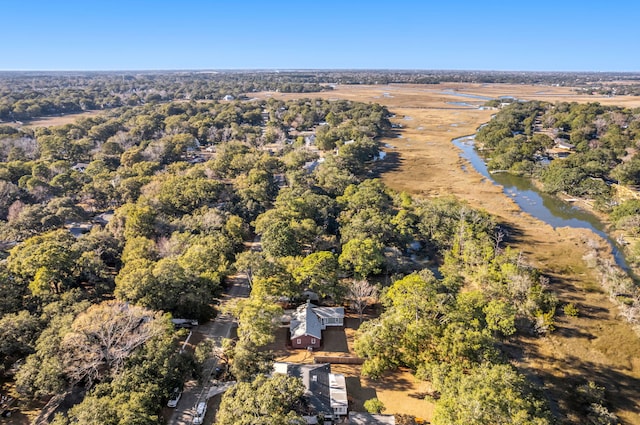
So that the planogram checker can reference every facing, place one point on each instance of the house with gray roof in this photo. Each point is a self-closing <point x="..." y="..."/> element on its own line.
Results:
<point x="325" y="392"/>
<point x="308" y="322"/>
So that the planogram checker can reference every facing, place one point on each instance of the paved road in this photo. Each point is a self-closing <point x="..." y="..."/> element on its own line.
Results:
<point x="216" y="329"/>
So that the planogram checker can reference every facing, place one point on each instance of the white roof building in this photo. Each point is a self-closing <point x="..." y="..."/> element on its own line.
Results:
<point x="309" y="319"/>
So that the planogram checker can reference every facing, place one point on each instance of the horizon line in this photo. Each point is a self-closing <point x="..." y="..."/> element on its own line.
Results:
<point x="278" y="70"/>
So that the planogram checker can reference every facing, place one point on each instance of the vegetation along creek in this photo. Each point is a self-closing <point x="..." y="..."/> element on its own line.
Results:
<point x="547" y="208"/>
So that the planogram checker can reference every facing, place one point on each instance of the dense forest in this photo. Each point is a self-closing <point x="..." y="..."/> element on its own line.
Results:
<point x="114" y="224"/>
<point x="141" y="211"/>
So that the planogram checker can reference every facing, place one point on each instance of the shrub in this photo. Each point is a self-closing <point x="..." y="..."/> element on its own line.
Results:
<point x="544" y="321"/>
<point x="571" y="310"/>
<point x="373" y="405"/>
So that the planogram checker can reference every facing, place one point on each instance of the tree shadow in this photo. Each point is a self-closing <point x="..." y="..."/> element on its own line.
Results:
<point x="391" y="162"/>
<point x="511" y="233"/>
<point x="425" y="395"/>
<point x="571" y="332"/>
<point x="357" y="394"/>
<point x="592" y="312"/>
<point x="561" y="383"/>
<point x="393" y="381"/>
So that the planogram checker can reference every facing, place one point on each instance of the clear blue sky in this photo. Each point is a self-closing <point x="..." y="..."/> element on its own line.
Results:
<point x="559" y="35"/>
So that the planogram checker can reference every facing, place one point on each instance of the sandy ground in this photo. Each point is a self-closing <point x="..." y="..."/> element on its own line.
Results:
<point x="595" y="346"/>
<point x="57" y="120"/>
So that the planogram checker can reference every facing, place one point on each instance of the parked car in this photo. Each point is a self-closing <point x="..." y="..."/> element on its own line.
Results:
<point x="219" y="372"/>
<point x="201" y="410"/>
<point x="184" y="323"/>
<point x="176" y="393"/>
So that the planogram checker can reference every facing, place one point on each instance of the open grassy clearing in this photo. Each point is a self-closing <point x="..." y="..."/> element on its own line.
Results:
<point x="597" y="345"/>
<point x="57" y="120"/>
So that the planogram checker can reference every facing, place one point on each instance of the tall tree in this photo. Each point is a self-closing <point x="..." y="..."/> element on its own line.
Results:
<point x="318" y="271"/>
<point x="265" y="401"/>
<point x="363" y="257"/>
<point x="489" y="394"/>
<point x="104" y="336"/>
<point x="46" y="262"/>
<point x="258" y="319"/>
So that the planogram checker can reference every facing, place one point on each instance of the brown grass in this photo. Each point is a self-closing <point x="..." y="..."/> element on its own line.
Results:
<point x="597" y="345"/>
<point x="399" y="391"/>
<point x="59" y="120"/>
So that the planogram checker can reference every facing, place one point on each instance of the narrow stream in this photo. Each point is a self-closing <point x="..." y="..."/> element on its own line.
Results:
<point x="540" y="205"/>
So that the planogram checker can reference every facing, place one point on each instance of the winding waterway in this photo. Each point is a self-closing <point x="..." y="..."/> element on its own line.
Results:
<point x="542" y="206"/>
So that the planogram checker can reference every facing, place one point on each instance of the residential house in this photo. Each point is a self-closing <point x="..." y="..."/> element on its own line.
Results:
<point x="564" y="144"/>
<point x="308" y="322"/>
<point x="325" y="392"/>
<point x="561" y="149"/>
<point x="309" y="166"/>
<point x="80" y="166"/>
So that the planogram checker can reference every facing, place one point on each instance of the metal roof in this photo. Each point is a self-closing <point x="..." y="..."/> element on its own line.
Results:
<point x="305" y="322"/>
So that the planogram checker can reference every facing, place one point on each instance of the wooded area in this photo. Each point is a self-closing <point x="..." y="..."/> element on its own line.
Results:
<point x="114" y="224"/>
<point x="585" y="151"/>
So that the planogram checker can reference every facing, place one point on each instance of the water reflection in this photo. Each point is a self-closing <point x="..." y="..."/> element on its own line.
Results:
<point x="540" y="205"/>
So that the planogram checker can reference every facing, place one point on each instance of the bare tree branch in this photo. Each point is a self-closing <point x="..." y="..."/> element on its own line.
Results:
<point x="361" y="294"/>
<point x="104" y="336"/>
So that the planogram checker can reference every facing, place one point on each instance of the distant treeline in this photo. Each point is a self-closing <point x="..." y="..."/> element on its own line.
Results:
<point x="25" y="95"/>
<point x="28" y="95"/>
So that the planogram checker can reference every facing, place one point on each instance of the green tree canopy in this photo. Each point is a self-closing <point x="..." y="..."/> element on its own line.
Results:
<point x="264" y="401"/>
<point x="46" y="262"/>
<point x="362" y="257"/>
<point x="489" y="394"/>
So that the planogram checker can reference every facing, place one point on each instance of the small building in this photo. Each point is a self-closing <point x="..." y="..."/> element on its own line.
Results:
<point x="79" y="229"/>
<point x="561" y="149"/>
<point x="308" y="322"/>
<point x="197" y="160"/>
<point x="80" y="166"/>
<point x="338" y="394"/>
<point x="310" y="140"/>
<point x="310" y="295"/>
<point x="104" y="218"/>
<point x="564" y="144"/>
<point x="280" y="179"/>
<point x="310" y="166"/>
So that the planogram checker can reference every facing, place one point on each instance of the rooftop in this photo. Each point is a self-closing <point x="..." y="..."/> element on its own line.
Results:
<point x="315" y="378"/>
<point x="304" y="321"/>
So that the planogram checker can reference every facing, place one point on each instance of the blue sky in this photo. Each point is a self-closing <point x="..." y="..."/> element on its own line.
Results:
<point x="560" y="35"/>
